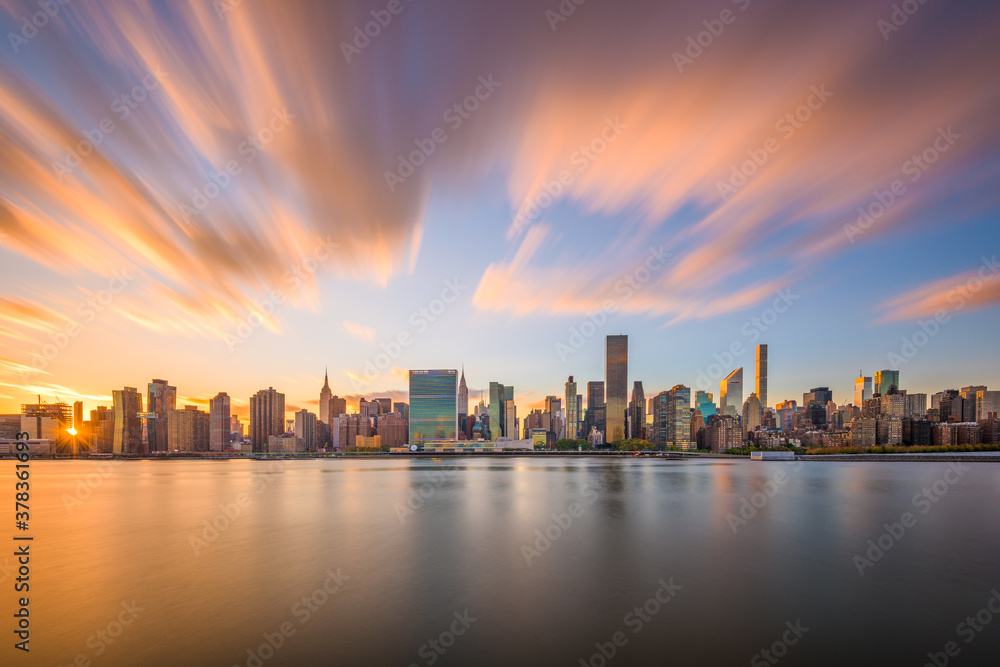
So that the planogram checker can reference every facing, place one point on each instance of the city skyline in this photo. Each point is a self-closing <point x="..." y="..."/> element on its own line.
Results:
<point x="241" y="408"/>
<point x="605" y="190"/>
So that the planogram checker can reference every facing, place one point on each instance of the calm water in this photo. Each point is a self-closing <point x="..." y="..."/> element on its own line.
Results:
<point x="128" y="574"/>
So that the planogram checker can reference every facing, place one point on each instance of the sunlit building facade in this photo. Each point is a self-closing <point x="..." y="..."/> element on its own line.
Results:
<point x="616" y="387"/>
<point x="434" y="405"/>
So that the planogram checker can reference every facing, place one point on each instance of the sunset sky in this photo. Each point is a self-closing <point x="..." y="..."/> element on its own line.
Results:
<point x="233" y="158"/>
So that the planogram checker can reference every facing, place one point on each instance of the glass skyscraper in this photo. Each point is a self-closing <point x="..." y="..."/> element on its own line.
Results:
<point x="433" y="405"/>
<point x="885" y="380"/>
<point x="616" y="387"/>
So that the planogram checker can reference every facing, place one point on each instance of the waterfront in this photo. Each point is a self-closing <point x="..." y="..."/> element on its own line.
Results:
<point x="507" y="561"/>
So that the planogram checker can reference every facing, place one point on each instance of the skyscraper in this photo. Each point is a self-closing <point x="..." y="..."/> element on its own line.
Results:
<point x="616" y="387"/>
<point x="161" y="398"/>
<point x="433" y="405"/>
<point x="572" y="407"/>
<point x="761" y="387"/>
<point x="463" y="395"/>
<point x="731" y="393"/>
<point x="78" y="415"/>
<point x="305" y="428"/>
<point x="703" y="402"/>
<point x="267" y="417"/>
<point x="862" y="390"/>
<point x="325" y="397"/>
<point x="678" y="418"/>
<point x="885" y="380"/>
<point x="220" y="421"/>
<point x="187" y="430"/>
<point x="817" y="396"/>
<point x="637" y="411"/>
<point x="128" y="425"/>
<point x="751" y="413"/>
<point x="498" y="411"/>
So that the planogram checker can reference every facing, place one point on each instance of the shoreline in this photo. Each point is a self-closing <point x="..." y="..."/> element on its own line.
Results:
<point x="956" y="457"/>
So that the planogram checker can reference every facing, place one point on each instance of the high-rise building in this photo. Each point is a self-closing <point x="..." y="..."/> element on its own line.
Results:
<point x="703" y="402"/>
<point x="658" y="429"/>
<point x="892" y="405"/>
<point x="325" y="398"/>
<point x="510" y="421"/>
<point x="463" y="395"/>
<point x="915" y="405"/>
<point x="751" y="413"/>
<point x="220" y="422"/>
<point x="817" y="396"/>
<point x="236" y="427"/>
<point x="761" y="387"/>
<point x="267" y="417"/>
<point x="572" y="410"/>
<point x="78" y="415"/>
<point x="498" y="410"/>
<point x="391" y="429"/>
<point x="128" y="425"/>
<point x="886" y="380"/>
<point x="970" y="402"/>
<point x="161" y="398"/>
<point x="678" y="418"/>
<point x="722" y="432"/>
<point x="305" y="428"/>
<point x="553" y="408"/>
<point x="187" y="430"/>
<point x="616" y="387"/>
<point x="338" y="406"/>
<point x="987" y="402"/>
<point x="637" y="411"/>
<point x="862" y="390"/>
<point x="731" y="393"/>
<point x="61" y="412"/>
<point x="102" y="430"/>
<point x="433" y="405"/>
